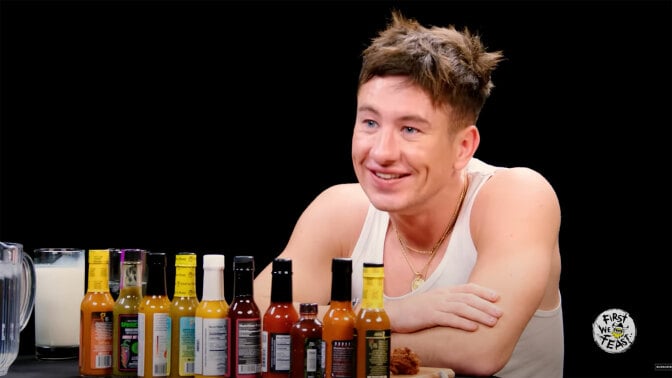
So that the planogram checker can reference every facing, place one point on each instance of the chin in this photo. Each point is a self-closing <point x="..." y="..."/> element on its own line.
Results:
<point x="384" y="202"/>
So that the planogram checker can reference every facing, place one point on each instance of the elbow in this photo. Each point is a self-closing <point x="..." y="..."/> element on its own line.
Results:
<point x="483" y="363"/>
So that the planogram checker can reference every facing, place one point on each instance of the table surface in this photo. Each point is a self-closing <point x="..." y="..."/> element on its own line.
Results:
<point x="27" y="366"/>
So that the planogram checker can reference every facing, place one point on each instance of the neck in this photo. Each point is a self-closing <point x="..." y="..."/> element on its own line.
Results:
<point x="422" y="231"/>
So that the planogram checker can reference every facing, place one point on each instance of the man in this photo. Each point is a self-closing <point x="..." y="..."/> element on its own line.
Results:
<point x="470" y="251"/>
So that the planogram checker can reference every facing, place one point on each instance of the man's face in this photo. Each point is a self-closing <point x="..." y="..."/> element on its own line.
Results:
<point x="402" y="149"/>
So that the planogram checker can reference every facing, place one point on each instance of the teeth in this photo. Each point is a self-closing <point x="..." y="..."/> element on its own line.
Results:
<point x="387" y="176"/>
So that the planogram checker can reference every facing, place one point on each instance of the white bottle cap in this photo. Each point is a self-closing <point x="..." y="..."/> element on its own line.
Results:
<point x="213" y="261"/>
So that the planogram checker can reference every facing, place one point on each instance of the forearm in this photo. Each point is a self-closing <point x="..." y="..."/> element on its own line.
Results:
<point x="465" y="352"/>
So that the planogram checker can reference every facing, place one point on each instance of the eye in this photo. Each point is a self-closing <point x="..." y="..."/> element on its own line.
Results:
<point x="370" y="123"/>
<point x="409" y="130"/>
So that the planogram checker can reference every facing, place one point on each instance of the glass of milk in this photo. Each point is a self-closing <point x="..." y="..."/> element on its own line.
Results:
<point x="59" y="289"/>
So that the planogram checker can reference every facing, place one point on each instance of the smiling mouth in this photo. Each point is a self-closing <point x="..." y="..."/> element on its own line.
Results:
<point x="388" y="176"/>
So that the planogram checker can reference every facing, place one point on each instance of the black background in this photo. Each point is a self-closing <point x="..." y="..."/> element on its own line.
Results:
<point x="208" y="127"/>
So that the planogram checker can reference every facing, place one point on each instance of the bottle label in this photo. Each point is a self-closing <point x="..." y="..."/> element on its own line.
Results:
<point x="128" y="342"/>
<point x="186" y="353"/>
<point x="211" y="346"/>
<point x="160" y="340"/>
<point x="312" y="358"/>
<point x="377" y="353"/>
<point x="248" y="344"/>
<point x="101" y="339"/>
<point x="98" y="278"/>
<point x="342" y="357"/>
<point x="185" y="282"/>
<point x="280" y="352"/>
<point x="372" y="293"/>
<point x="131" y="272"/>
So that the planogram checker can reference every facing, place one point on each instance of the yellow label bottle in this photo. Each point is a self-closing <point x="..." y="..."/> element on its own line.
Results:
<point x="95" y="343"/>
<point x="212" y="331"/>
<point x="183" y="316"/>
<point x="154" y="325"/>
<point x="373" y="332"/>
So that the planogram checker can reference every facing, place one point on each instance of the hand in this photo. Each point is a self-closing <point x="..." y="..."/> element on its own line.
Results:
<point x="463" y="307"/>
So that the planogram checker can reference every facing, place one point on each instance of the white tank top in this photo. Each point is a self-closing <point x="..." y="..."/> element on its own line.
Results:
<point x="540" y="349"/>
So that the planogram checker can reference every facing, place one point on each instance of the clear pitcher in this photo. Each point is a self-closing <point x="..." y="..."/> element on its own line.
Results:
<point x="17" y="299"/>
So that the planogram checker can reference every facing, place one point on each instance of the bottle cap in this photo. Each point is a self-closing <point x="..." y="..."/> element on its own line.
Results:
<point x="244" y="263"/>
<point x="373" y="270"/>
<point x="308" y="308"/>
<point x="133" y="254"/>
<point x="185" y="259"/>
<point x="156" y="258"/>
<point x="341" y="265"/>
<point x="213" y="261"/>
<point x="99" y="256"/>
<point x="282" y="266"/>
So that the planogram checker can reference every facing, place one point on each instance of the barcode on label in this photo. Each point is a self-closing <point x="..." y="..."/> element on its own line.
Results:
<point x="189" y="367"/>
<point x="103" y="361"/>
<point x="248" y="369"/>
<point x="161" y="369"/>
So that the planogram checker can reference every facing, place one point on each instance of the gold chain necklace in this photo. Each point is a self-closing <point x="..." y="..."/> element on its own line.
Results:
<point x="419" y="278"/>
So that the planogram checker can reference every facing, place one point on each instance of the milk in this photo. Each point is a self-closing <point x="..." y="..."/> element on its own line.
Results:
<point x="58" y="296"/>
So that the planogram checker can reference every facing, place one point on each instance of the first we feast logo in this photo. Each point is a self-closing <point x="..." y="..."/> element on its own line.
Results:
<point x="614" y="331"/>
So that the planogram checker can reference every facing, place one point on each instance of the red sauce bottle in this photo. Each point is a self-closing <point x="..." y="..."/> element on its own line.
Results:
<point x="277" y="323"/>
<point x="244" y="321"/>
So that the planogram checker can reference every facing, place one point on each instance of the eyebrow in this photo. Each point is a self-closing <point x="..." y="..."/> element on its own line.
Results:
<point x="406" y="118"/>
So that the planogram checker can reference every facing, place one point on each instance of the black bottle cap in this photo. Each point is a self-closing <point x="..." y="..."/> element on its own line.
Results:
<point x="373" y="265"/>
<point x="308" y="308"/>
<point x="341" y="279"/>
<point x="156" y="258"/>
<point x="341" y="265"/>
<point x="133" y="254"/>
<point x="283" y="266"/>
<point x="243" y="263"/>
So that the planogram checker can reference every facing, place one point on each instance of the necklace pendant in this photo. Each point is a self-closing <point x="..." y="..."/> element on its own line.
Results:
<point x="417" y="282"/>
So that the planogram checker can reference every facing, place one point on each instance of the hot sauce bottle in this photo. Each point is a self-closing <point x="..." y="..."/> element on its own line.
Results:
<point x="95" y="336"/>
<point x="338" y="324"/>
<point x="372" y="327"/>
<point x="183" y="316"/>
<point x="277" y="323"/>
<point x="125" y="319"/>
<point x="307" y="343"/>
<point x="211" y="354"/>
<point x="244" y="321"/>
<point x="154" y="325"/>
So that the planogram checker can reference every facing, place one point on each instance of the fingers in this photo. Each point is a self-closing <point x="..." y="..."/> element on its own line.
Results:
<point x="464" y="307"/>
<point x="461" y="312"/>
<point x="478" y="290"/>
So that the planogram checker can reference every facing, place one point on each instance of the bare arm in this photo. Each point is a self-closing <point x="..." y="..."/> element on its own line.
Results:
<point x="327" y="228"/>
<point x="515" y="224"/>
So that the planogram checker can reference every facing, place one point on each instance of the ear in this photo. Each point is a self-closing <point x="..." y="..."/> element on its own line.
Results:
<point x="467" y="141"/>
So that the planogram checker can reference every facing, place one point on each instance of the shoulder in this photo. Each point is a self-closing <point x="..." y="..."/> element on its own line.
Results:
<point x="507" y="177"/>
<point x="520" y="182"/>
<point x="342" y="199"/>
<point x="341" y="209"/>
<point x="521" y="194"/>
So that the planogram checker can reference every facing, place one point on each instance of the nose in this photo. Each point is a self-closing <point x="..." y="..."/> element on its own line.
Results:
<point x="385" y="146"/>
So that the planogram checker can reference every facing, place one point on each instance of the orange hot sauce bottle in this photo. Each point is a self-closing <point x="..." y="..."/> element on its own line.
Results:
<point x="338" y="324"/>
<point x="96" y="311"/>
<point x="154" y="325"/>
